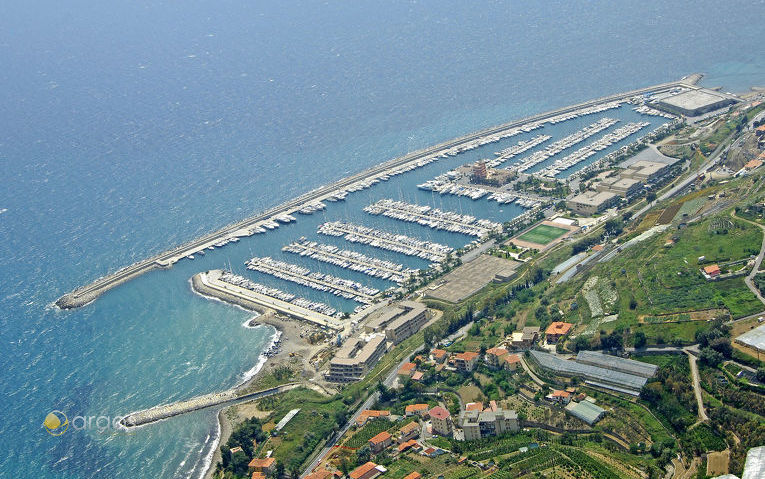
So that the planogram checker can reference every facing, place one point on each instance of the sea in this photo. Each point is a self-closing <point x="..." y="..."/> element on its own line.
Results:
<point x="130" y="127"/>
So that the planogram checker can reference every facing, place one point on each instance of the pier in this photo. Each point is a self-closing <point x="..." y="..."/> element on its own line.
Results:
<point x="211" y="284"/>
<point x="352" y="260"/>
<point x="249" y="226"/>
<point x="434" y="252"/>
<point x="433" y="218"/>
<point x="322" y="282"/>
<point x="158" y="413"/>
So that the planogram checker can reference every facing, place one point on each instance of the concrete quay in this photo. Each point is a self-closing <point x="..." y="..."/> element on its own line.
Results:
<point x="87" y="294"/>
<point x="209" y="284"/>
<point x="158" y="413"/>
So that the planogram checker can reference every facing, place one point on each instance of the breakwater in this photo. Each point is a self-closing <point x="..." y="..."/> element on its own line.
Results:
<point x="158" y="413"/>
<point x="253" y="225"/>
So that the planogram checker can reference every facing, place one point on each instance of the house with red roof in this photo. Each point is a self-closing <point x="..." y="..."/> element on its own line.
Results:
<point x="380" y="442"/>
<point x="556" y="331"/>
<point x="370" y="470"/>
<point x="412" y="409"/>
<point x="439" y="355"/>
<point x="262" y="465"/>
<point x="441" y="421"/>
<point x="493" y="357"/>
<point x="465" y="361"/>
<point x="511" y="362"/>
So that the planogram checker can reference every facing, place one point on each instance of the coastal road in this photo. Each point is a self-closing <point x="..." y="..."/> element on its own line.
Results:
<point x="388" y="382"/>
<point x="749" y="279"/>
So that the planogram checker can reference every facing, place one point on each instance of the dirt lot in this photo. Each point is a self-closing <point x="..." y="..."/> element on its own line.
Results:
<point x="717" y="463"/>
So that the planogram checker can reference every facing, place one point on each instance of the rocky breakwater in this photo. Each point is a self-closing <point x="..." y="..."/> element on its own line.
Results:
<point x="158" y="413"/>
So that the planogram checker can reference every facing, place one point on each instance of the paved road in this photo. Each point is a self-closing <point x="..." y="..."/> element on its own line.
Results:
<point x="388" y="382"/>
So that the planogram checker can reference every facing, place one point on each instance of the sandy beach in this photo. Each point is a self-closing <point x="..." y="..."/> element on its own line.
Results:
<point x="294" y="351"/>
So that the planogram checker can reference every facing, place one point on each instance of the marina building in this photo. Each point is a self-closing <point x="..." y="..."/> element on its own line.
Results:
<point x="624" y="187"/>
<point x="695" y="102"/>
<point x="398" y="321"/>
<point x="480" y="424"/>
<point x="355" y="358"/>
<point x="592" y="202"/>
<point x="646" y="171"/>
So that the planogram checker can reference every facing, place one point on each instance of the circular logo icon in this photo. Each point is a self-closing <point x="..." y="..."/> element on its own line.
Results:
<point x="56" y="423"/>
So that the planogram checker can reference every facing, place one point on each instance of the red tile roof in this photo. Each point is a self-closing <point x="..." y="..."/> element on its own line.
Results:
<point x="380" y="438"/>
<point x="474" y="406"/>
<point x="438" y="353"/>
<point x="262" y="463"/>
<point x="439" y="413"/>
<point x="413" y="475"/>
<point x="712" y="270"/>
<point x="406" y="445"/>
<point x="559" y="327"/>
<point x="496" y="351"/>
<point x="362" y="470"/>
<point x="407" y="368"/>
<point x="562" y="394"/>
<point x="466" y="356"/>
<point x="321" y="474"/>
<point x="512" y="358"/>
<point x="416" y="407"/>
<point x="257" y="475"/>
<point x="417" y="376"/>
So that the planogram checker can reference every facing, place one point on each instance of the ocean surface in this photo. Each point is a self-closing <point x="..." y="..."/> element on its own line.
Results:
<point x="129" y="127"/>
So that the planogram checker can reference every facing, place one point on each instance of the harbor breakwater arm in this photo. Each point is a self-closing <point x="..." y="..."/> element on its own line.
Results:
<point x="158" y="413"/>
<point x="86" y="294"/>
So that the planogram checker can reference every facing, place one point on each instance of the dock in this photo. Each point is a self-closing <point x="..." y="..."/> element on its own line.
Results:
<point x="352" y="260"/>
<point x="434" y="252"/>
<point x="210" y="284"/>
<point x="433" y="218"/>
<point x="86" y="294"/>
<point x="158" y="413"/>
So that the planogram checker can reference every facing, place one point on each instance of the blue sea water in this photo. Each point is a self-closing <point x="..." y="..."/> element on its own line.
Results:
<point x="128" y="127"/>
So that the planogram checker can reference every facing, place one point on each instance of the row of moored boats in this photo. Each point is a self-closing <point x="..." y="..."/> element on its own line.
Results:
<point x="433" y="217"/>
<point x="275" y="293"/>
<point x="398" y="243"/>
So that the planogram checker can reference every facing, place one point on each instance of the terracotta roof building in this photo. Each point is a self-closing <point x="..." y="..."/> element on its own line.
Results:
<point x="410" y="431"/>
<point x="407" y="369"/>
<point x="494" y="356"/>
<point x="557" y="330"/>
<point x="380" y="442"/>
<point x="367" y="414"/>
<point x="441" y="421"/>
<point x="511" y="361"/>
<point x="465" y="361"/>
<point x="262" y="465"/>
<point x="439" y="355"/>
<point x="413" y="409"/>
<point x="370" y="470"/>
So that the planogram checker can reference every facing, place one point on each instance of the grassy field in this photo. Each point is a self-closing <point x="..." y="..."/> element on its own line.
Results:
<point x="543" y="234"/>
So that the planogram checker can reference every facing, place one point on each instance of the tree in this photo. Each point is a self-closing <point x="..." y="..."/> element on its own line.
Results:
<point x="710" y="357"/>
<point x="650" y="197"/>
<point x="640" y="339"/>
<point x="761" y="374"/>
<point x="581" y="343"/>
<point x="722" y="346"/>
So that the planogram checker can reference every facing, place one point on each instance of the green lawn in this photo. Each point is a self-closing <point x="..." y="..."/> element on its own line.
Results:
<point x="543" y="234"/>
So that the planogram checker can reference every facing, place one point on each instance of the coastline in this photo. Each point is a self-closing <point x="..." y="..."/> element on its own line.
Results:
<point x="293" y="349"/>
<point x="246" y="227"/>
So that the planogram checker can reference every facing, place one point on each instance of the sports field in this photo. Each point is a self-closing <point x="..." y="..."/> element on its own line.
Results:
<point x="543" y="234"/>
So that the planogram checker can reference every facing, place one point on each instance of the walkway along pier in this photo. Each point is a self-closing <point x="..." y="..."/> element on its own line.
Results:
<point x="157" y="413"/>
<point x="247" y="227"/>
